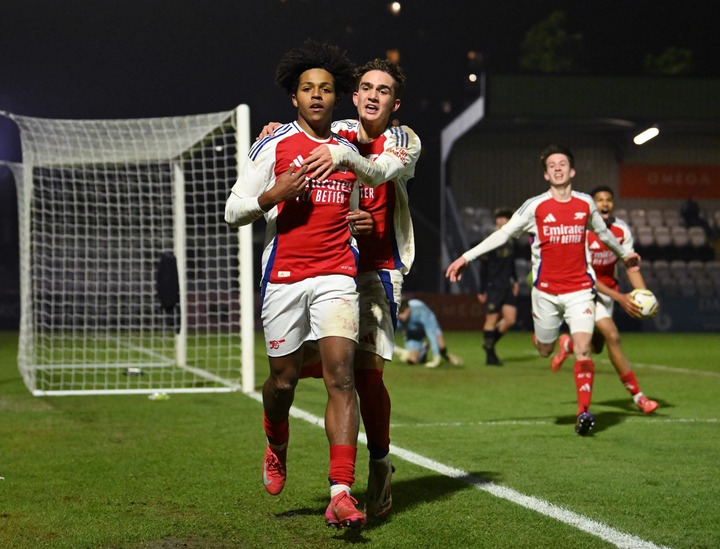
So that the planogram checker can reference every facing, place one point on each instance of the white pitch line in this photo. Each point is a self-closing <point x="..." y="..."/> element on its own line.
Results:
<point x="659" y="367"/>
<point x="676" y="370"/>
<point x="503" y="423"/>
<point x="598" y="529"/>
<point x="581" y="522"/>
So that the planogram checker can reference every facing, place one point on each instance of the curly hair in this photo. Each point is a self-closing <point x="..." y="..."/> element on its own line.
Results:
<point x="384" y="65"/>
<point x="315" y="55"/>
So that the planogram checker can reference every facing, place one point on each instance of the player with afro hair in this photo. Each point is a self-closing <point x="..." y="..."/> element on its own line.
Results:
<point x="316" y="55"/>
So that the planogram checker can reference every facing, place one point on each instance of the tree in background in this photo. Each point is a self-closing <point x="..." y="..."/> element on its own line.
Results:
<point x="550" y="48"/>
<point x="672" y="62"/>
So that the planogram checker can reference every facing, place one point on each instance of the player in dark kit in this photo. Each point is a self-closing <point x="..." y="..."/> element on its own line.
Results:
<point x="498" y="291"/>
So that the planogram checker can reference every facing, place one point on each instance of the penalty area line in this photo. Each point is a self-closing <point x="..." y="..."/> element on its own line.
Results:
<point x="586" y="524"/>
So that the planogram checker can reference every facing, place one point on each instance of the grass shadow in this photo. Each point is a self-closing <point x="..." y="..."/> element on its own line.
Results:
<point x="603" y="421"/>
<point x="608" y="420"/>
<point x="628" y="405"/>
<point x="410" y="493"/>
<point x="349" y="535"/>
<point x="407" y="494"/>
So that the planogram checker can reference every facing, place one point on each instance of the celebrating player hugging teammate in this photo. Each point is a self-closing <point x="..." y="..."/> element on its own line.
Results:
<point x="309" y="265"/>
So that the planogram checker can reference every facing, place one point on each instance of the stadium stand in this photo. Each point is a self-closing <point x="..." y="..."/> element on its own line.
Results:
<point x="654" y="218"/>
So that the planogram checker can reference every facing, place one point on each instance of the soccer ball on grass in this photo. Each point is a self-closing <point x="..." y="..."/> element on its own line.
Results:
<point x="646" y="300"/>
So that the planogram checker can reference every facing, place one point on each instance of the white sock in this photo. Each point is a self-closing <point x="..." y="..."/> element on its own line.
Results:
<point x="336" y="489"/>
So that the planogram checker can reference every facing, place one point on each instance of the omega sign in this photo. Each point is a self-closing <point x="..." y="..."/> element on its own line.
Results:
<point x="669" y="181"/>
<point x="682" y="178"/>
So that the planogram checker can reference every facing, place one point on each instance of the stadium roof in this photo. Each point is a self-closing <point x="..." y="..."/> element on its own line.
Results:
<point x="601" y="104"/>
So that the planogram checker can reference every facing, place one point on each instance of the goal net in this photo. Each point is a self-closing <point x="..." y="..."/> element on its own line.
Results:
<point x="131" y="282"/>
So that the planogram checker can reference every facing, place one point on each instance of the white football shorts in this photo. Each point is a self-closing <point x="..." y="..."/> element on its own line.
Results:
<point x="309" y="310"/>
<point x="380" y="295"/>
<point x="577" y="309"/>
<point x="603" y="307"/>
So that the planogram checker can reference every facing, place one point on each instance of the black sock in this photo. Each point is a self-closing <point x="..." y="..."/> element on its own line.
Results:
<point x="488" y="340"/>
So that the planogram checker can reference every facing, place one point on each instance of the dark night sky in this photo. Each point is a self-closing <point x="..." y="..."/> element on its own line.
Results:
<point x="139" y="58"/>
<point x="134" y="58"/>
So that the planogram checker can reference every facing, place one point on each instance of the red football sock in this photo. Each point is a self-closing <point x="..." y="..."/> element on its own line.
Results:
<point x="375" y="410"/>
<point x="630" y="383"/>
<point x="277" y="432"/>
<point x="584" y="375"/>
<point x="342" y="464"/>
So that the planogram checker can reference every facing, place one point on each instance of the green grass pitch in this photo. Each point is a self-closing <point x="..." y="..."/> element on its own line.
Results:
<point x="128" y="472"/>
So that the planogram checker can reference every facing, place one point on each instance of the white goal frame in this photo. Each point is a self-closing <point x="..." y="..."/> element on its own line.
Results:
<point x="130" y="280"/>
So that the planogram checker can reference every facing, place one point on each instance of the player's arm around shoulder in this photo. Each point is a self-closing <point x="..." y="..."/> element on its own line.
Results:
<point x="404" y="138"/>
<point x="403" y="144"/>
<point x="402" y="148"/>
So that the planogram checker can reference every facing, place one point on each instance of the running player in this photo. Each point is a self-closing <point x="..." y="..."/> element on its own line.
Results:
<point x="604" y="263"/>
<point x="564" y="282"/>
<point x="309" y="266"/>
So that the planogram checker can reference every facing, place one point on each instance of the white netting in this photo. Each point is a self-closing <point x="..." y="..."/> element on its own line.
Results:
<point x="129" y="275"/>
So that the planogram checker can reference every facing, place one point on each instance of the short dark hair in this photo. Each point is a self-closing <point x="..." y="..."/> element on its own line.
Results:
<point x="384" y="65"/>
<point x="602" y="189"/>
<point x="315" y="55"/>
<point x="556" y="149"/>
<point x="502" y="212"/>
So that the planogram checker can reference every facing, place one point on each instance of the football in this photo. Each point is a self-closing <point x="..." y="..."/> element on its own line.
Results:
<point x="646" y="300"/>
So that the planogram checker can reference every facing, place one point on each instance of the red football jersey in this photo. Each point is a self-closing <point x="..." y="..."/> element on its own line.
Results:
<point x="391" y="244"/>
<point x="308" y="236"/>
<point x="604" y="261"/>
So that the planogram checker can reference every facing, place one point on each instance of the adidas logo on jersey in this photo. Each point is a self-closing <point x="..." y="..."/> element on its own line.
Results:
<point x="549" y="218"/>
<point x="595" y="245"/>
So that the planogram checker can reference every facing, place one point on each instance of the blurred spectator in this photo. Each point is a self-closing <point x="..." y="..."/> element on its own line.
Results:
<point x="690" y="212"/>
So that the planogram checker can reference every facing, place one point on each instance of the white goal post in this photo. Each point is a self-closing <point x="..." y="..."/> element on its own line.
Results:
<point x="130" y="280"/>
